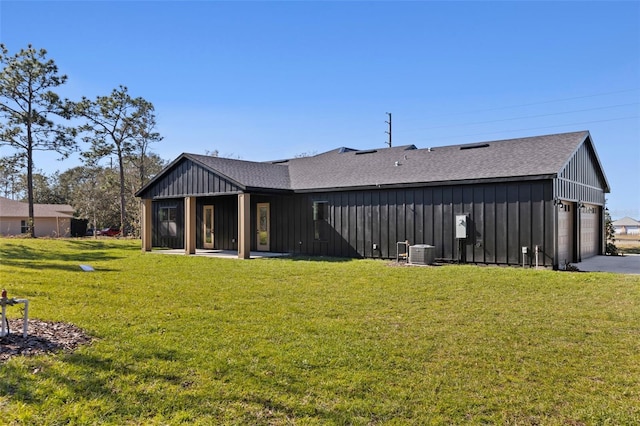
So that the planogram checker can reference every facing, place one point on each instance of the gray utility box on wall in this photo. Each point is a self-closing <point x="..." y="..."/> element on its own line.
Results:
<point x="422" y="254"/>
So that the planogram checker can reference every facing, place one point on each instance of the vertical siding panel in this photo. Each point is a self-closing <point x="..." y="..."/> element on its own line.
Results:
<point x="276" y="223"/>
<point x="337" y="224"/>
<point x="418" y="216"/>
<point x="196" y="181"/>
<point x="233" y="218"/>
<point x="291" y="238"/>
<point x="524" y="220"/>
<point x="360" y="223"/>
<point x="393" y="223"/>
<point x="549" y="225"/>
<point x="438" y="223"/>
<point x="306" y="246"/>
<point x="537" y="219"/>
<point x="174" y="182"/>
<point x="448" y="235"/>
<point x="489" y="233"/>
<point x="282" y="220"/>
<point x="458" y="246"/>
<point x="502" y="230"/>
<point x="375" y="222"/>
<point x="353" y="225"/>
<point x="513" y="244"/>
<point x="344" y="214"/>
<point x="478" y="224"/>
<point x="368" y="225"/>
<point x="328" y="246"/>
<point x="186" y="185"/>
<point x="467" y="209"/>
<point x="409" y="216"/>
<point x="428" y="217"/>
<point x="401" y="232"/>
<point x="384" y="224"/>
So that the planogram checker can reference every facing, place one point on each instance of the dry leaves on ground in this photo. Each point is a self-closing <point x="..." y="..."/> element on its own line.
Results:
<point x="42" y="337"/>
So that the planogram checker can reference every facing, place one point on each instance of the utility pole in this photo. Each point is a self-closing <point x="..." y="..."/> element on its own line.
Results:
<point x="389" y="131"/>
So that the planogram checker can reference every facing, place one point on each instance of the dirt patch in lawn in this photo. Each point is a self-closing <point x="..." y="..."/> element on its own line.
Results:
<point x="42" y="337"/>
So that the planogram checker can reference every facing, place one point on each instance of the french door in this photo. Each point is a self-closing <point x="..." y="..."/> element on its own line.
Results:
<point x="263" y="226"/>
<point x="207" y="231"/>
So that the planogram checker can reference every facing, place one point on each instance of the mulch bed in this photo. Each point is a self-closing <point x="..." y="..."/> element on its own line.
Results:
<point x="42" y="337"/>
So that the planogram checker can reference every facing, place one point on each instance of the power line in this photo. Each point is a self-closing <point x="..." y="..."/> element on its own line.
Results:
<point x="543" y="102"/>
<point x="537" y="128"/>
<point x="525" y="117"/>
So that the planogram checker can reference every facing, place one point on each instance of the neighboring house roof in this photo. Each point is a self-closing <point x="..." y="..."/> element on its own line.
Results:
<point x="522" y="158"/>
<point x="625" y="221"/>
<point x="12" y="208"/>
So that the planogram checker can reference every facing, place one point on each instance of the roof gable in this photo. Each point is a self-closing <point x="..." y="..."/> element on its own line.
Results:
<point x="583" y="166"/>
<point x="186" y="176"/>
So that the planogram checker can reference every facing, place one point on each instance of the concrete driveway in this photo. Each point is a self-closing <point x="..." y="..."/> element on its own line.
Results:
<point x="627" y="264"/>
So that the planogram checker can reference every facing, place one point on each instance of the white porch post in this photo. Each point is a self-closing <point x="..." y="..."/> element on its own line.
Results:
<point x="145" y="228"/>
<point x="190" y="225"/>
<point x="244" y="226"/>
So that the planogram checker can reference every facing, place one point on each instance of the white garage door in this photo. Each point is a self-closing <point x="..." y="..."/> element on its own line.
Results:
<point x="565" y="234"/>
<point x="589" y="231"/>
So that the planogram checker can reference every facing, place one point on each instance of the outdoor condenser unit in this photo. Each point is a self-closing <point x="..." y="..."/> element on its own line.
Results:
<point x="422" y="254"/>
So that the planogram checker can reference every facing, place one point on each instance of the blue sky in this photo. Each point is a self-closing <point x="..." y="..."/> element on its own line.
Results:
<point x="269" y="80"/>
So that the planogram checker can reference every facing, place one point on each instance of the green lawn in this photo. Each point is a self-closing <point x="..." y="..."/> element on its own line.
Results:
<point x="194" y="340"/>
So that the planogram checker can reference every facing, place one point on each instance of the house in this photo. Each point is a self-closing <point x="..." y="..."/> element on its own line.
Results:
<point x="50" y="220"/>
<point x="626" y="226"/>
<point x="498" y="202"/>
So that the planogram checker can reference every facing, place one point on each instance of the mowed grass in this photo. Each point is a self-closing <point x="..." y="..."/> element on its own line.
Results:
<point x="194" y="340"/>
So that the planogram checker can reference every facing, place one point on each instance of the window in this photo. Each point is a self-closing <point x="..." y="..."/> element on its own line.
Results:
<point x="320" y="218"/>
<point x="167" y="219"/>
<point x="24" y="228"/>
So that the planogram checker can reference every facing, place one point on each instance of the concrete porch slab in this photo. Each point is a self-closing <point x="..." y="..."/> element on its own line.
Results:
<point x="226" y="254"/>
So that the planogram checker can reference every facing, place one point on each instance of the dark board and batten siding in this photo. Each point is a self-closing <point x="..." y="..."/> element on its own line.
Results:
<point x="187" y="178"/>
<point x="225" y="221"/>
<point x="176" y="241"/>
<point x="579" y="180"/>
<point x="503" y="218"/>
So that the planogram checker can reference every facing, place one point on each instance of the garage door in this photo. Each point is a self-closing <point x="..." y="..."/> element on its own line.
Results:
<point x="565" y="234"/>
<point x="589" y="231"/>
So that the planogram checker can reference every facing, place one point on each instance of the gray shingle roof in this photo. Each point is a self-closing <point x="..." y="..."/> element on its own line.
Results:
<point x="524" y="157"/>
<point x="538" y="156"/>
<point x="249" y="174"/>
<point x="626" y="221"/>
<point x="12" y="208"/>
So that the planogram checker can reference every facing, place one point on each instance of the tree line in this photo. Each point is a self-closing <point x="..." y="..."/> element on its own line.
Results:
<point x="33" y="117"/>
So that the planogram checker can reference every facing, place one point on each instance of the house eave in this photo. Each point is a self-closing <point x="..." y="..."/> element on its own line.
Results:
<point x="429" y="184"/>
<point x="250" y="190"/>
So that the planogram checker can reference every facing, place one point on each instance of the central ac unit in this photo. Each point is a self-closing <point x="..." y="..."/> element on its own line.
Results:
<point x="422" y="254"/>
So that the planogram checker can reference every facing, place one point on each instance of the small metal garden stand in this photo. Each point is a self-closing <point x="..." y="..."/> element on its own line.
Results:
<point x="4" y="302"/>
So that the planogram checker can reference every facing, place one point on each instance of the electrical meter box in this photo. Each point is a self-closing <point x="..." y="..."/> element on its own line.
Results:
<point x="461" y="226"/>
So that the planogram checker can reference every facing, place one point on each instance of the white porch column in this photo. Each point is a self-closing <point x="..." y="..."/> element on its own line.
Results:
<point x="190" y="225"/>
<point x="244" y="226"/>
<point x="145" y="226"/>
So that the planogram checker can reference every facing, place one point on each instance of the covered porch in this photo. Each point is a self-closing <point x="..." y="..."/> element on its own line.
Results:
<point x="193" y="227"/>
